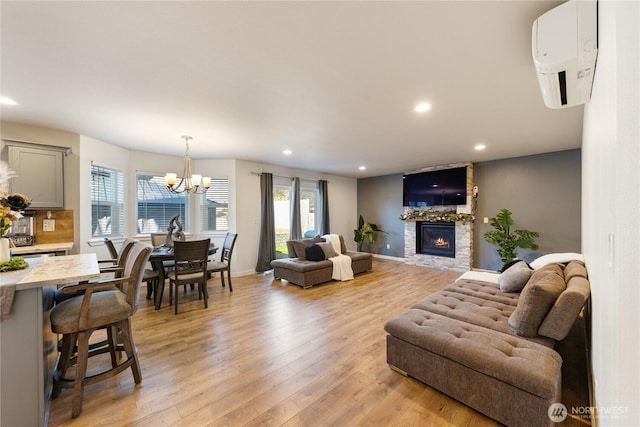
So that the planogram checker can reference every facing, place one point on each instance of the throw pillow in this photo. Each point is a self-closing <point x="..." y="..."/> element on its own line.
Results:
<point x="300" y="245"/>
<point x="509" y="264"/>
<point x="515" y="277"/>
<point x="536" y="299"/>
<point x="555" y="258"/>
<point x="328" y="250"/>
<point x="314" y="252"/>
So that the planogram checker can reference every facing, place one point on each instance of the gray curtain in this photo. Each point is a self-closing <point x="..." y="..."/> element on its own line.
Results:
<point x="324" y="206"/>
<point x="267" y="241"/>
<point x="296" y="227"/>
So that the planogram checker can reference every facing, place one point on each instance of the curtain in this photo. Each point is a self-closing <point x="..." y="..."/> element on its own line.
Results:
<point x="296" y="226"/>
<point x="267" y="240"/>
<point x="324" y="206"/>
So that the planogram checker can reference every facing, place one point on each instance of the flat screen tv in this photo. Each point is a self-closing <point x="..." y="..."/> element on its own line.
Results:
<point x="435" y="188"/>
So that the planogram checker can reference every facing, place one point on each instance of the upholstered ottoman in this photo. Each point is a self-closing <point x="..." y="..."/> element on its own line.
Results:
<point x="507" y="378"/>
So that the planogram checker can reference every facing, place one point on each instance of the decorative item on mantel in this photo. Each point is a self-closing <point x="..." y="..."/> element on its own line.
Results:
<point x="420" y="215"/>
<point x="11" y="208"/>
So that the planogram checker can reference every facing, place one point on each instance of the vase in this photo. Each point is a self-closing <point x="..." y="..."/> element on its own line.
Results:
<point x="5" y="252"/>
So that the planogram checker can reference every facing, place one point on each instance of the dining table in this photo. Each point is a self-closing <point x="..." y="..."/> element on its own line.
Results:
<point x="160" y="255"/>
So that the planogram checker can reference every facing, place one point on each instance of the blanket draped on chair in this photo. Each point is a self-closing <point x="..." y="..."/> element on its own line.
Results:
<point x="342" y="263"/>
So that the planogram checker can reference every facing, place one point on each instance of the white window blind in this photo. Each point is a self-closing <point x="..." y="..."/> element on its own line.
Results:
<point x="156" y="205"/>
<point x="107" y="202"/>
<point x="214" y="206"/>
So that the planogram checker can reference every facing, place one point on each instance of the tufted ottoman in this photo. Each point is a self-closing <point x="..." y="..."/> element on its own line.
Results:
<point x="509" y="379"/>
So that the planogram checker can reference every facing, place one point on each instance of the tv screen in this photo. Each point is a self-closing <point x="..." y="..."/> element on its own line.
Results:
<point x="435" y="188"/>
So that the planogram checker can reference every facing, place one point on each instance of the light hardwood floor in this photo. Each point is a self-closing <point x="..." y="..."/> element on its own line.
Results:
<point x="271" y="354"/>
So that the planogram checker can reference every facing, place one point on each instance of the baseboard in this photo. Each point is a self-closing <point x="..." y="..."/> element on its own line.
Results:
<point x="389" y="258"/>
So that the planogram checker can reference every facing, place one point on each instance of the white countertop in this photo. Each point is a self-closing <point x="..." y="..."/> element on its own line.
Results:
<point x="53" y="270"/>
<point x="42" y="248"/>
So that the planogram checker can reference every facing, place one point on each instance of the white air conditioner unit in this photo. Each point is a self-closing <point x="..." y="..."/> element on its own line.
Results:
<point x="565" y="48"/>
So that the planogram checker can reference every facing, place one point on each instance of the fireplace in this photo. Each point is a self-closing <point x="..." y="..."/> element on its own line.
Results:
<point x="437" y="239"/>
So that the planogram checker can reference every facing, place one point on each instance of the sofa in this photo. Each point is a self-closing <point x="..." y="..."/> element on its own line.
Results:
<point x="297" y="269"/>
<point x="490" y="345"/>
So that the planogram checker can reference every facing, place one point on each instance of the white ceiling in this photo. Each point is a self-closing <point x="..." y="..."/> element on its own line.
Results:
<point x="335" y="82"/>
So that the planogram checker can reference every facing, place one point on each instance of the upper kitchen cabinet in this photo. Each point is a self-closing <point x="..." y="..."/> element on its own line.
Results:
<point x="39" y="173"/>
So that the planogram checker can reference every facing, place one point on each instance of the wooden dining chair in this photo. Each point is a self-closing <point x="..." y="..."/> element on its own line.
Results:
<point x="78" y="317"/>
<point x="190" y="267"/>
<point x="225" y="260"/>
<point x="151" y="276"/>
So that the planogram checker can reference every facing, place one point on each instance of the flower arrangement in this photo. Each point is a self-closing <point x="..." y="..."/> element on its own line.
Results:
<point x="11" y="206"/>
<point x="418" y="215"/>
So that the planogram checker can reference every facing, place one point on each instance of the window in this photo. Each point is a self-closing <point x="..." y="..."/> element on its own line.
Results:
<point x="214" y="207"/>
<point x="309" y="215"/>
<point x="157" y="205"/>
<point x="107" y="202"/>
<point x="282" y="218"/>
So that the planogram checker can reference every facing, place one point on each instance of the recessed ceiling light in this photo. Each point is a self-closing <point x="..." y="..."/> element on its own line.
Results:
<point x="479" y="147"/>
<point x="287" y="152"/>
<point x="362" y="168"/>
<point x="7" y="101"/>
<point x="422" y="107"/>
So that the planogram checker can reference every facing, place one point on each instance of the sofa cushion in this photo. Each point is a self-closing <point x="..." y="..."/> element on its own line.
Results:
<point x="300" y="245"/>
<point x="328" y="250"/>
<point x="314" y="253"/>
<point x="513" y="360"/>
<point x="301" y="266"/>
<point x="515" y="277"/>
<point x="566" y="309"/>
<point x="574" y="269"/>
<point x="555" y="258"/>
<point x="536" y="299"/>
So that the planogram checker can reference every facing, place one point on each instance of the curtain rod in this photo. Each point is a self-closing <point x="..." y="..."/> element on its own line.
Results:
<point x="285" y="177"/>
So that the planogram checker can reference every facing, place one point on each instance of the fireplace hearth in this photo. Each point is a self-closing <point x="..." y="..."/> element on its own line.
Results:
<point x="437" y="239"/>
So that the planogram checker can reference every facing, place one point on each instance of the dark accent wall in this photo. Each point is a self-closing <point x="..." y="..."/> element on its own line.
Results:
<point x="380" y="202"/>
<point x="543" y="192"/>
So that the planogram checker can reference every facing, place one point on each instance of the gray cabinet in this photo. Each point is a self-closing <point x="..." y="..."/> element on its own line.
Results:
<point x="40" y="173"/>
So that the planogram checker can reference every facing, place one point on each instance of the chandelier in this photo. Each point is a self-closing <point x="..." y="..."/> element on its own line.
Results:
<point x="189" y="183"/>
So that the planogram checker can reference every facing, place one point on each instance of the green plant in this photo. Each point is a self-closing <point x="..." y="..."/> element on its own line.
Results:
<point x="508" y="240"/>
<point x="365" y="230"/>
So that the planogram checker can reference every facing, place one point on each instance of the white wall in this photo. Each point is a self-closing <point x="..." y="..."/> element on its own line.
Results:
<point x="610" y="212"/>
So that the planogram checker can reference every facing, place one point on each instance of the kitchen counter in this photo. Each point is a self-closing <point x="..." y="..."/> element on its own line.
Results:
<point x="27" y="345"/>
<point x="44" y="248"/>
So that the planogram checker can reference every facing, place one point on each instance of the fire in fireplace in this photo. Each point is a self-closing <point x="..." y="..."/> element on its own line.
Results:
<point x="437" y="239"/>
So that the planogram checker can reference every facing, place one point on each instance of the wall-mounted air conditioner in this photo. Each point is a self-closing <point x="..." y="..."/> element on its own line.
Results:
<point x="565" y="48"/>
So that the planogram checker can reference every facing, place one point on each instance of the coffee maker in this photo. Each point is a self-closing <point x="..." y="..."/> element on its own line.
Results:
<point x="22" y="231"/>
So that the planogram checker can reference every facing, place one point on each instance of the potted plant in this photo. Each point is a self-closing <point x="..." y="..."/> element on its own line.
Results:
<point x="365" y="230"/>
<point x="508" y="240"/>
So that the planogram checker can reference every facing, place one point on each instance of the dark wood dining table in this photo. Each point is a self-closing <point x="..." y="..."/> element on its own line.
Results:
<point x="159" y="255"/>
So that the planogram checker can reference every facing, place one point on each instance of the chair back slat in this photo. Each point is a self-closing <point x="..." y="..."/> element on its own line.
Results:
<point x="227" y="247"/>
<point x="191" y="256"/>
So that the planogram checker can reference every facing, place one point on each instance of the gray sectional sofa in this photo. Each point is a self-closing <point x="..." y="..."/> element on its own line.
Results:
<point x="302" y="272"/>
<point x="493" y="350"/>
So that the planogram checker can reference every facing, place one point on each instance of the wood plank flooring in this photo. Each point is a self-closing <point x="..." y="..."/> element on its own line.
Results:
<point x="274" y="354"/>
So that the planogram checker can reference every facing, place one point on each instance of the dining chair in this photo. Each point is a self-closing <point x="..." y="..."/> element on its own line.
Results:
<point x="157" y="239"/>
<point x="113" y="266"/>
<point x="225" y="260"/>
<point x="78" y="317"/>
<point x="151" y="276"/>
<point x="191" y="259"/>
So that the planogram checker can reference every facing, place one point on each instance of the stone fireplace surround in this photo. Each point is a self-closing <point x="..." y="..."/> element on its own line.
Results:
<point x="464" y="254"/>
<point x="464" y="234"/>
